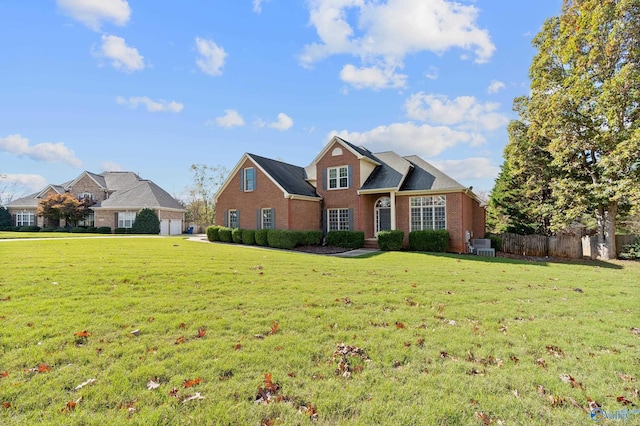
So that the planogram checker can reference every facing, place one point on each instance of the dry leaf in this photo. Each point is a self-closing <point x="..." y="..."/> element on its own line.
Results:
<point x="4" y="374"/>
<point x="399" y="325"/>
<point x="153" y="385"/>
<point x="179" y="340"/>
<point x="237" y="347"/>
<point x="623" y="376"/>
<point x="188" y="398"/>
<point x="624" y="401"/>
<point x="482" y="416"/>
<point x="83" y="384"/>
<point x="274" y="327"/>
<point x="6" y="405"/>
<point x="83" y="333"/>
<point x="201" y="332"/>
<point x="189" y="383"/>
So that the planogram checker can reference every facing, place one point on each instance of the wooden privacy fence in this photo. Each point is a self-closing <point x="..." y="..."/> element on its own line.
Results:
<point x="567" y="246"/>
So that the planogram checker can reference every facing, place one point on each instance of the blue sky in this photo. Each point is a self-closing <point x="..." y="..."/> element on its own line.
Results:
<point x="155" y="86"/>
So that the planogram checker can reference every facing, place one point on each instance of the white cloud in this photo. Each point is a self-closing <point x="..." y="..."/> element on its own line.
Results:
<point x="432" y="73"/>
<point x="93" y="12"/>
<point x="257" y="5"/>
<point x="122" y="57"/>
<point x="231" y="118"/>
<point x="464" y="111"/>
<point x="408" y="139"/>
<point x="372" y="77"/>
<point x="495" y="86"/>
<point x="110" y="166"/>
<point x="212" y="57"/>
<point x="284" y="122"/>
<point x="30" y="182"/>
<point x="388" y="31"/>
<point x="151" y="105"/>
<point x="47" y="151"/>
<point x="468" y="168"/>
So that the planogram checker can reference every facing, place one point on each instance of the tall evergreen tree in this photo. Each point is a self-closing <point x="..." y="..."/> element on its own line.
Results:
<point x="584" y="111"/>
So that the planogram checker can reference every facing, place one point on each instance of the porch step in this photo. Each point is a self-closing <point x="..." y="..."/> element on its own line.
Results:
<point x="371" y="243"/>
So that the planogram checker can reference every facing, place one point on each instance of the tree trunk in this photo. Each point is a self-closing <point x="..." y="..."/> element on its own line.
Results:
<point x="606" y="217"/>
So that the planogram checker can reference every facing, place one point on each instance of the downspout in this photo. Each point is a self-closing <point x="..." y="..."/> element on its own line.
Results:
<point x="392" y="196"/>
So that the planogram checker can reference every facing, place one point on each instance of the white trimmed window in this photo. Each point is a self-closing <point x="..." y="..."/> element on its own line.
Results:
<point x="232" y="220"/>
<point x="338" y="220"/>
<point x="126" y="219"/>
<point x="249" y="179"/>
<point x="267" y="219"/>
<point x="25" y="219"/>
<point x="84" y="195"/>
<point x="338" y="177"/>
<point x="428" y="213"/>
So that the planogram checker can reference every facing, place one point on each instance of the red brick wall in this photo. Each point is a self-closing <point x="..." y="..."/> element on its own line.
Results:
<point x="305" y="214"/>
<point x="341" y="198"/>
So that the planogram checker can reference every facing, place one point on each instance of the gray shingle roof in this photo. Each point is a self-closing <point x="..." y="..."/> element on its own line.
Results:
<point x="29" y="201"/>
<point x="360" y="150"/>
<point x="143" y="193"/>
<point x="425" y="176"/>
<point x="291" y="178"/>
<point x="389" y="174"/>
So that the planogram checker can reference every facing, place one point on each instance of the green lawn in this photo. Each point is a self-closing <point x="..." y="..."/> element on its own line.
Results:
<point x="432" y="339"/>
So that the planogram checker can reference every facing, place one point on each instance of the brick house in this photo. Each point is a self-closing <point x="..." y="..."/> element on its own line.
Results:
<point x="118" y="196"/>
<point x="347" y="187"/>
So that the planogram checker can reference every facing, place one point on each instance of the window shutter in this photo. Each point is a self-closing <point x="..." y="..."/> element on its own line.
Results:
<point x="238" y="217"/>
<point x="324" y="179"/>
<point x="350" y="219"/>
<point x="350" y="176"/>
<point x="241" y="180"/>
<point x="226" y="218"/>
<point x="258" y="221"/>
<point x="325" y="222"/>
<point x="273" y="218"/>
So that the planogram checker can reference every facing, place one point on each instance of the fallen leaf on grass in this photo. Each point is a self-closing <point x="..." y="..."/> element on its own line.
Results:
<point x="516" y="393"/>
<point x="83" y="333"/>
<point x="569" y="379"/>
<point x="179" y="340"/>
<point x="174" y="393"/>
<point x="71" y="405"/>
<point x="201" y="333"/>
<point x="541" y="362"/>
<point x="191" y="382"/>
<point x="399" y="325"/>
<point x="554" y="350"/>
<point x="5" y="299"/>
<point x="624" y="401"/>
<point x="483" y="417"/>
<point x="153" y="385"/>
<point x="41" y="368"/>
<point x="6" y="405"/>
<point x="188" y="398"/>
<point x="274" y="327"/>
<point x="623" y="376"/>
<point x="556" y="401"/>
<point x="268" y="391"/>
<point x="237" y="347"/>
<point x="83" y="384"/>
<point x="635" y="330"/>
<point x="420" y="342"/>
<point x="4" y="374"/>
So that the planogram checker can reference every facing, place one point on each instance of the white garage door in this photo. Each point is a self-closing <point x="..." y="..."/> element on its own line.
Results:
<point x="164" y="227"/>
<point x="175" y="227"/>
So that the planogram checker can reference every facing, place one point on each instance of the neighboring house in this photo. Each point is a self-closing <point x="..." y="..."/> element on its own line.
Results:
<point x="118" y="197"/>
<point x="349" y="188"/>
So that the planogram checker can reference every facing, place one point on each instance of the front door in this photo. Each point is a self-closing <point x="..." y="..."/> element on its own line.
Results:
<point x="383" y="214"/>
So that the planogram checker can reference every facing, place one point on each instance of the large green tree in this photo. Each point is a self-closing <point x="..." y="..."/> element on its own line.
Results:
<point x="584" y="110"/>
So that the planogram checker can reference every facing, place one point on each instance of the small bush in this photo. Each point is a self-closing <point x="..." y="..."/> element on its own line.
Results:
<point x="496" y="242"/>
<point x="236" y="235"/>
<point x="631" y="251"/>
<point x="92" y="229"/>
<point x="390" y="240"/>
<point x="6" y="228"/>
<point x="212" y="233"/>
<point x="48" y="229"/>
<point x="29" y="229"/>
<point x="311" y="238"/>
<point x="61" y="229"/>
<point x="249" y="236"/>
<point x="225" y="234"/>
<point x="78" y="230"/>
<point x="429" y="240"/>
<point x="15" y="228"/>
<point x="146" y="222"/>
<point x="346" y="239"/>
<point x="262" y="237"/>
<point x="283" y="239"/>
<point x="122" y="231"/>
<point x="104" y="230"/>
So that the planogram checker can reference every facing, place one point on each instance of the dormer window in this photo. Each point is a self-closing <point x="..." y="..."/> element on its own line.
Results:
<point x="85" y="195"/>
